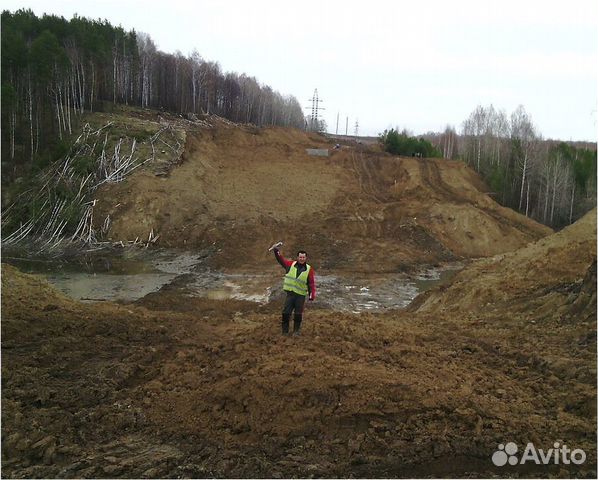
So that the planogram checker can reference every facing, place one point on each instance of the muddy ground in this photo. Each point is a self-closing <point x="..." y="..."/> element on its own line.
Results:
<point x="172" y="387"/>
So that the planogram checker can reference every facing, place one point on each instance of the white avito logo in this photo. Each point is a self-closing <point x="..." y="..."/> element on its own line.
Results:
<point x="505" y="453"/>
<point x="560" y="454"/>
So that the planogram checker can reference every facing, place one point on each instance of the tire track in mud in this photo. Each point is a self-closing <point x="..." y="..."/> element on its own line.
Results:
<point x="432" y="179"/>
<point x="367" y="171"/>
<point x="364" y="177"/>
<point x="367" y="187"/>
<point x="431" y="176"/>
<point x="501" y="219"/>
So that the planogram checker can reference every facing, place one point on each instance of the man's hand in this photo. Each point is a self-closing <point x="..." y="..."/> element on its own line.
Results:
<point x="275" y="246"/>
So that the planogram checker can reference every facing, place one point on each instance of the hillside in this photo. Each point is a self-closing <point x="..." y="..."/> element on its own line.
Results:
<point x="178" y="386"/>
<point x="507" y="352"/>
<point x="239" y="188"/>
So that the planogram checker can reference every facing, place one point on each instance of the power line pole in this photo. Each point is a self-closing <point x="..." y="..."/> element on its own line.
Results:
<point x="337" y="114"/>
<point x="315" y="108"/>
<point x="347" y="127"/>
<point x="356" y="127"/>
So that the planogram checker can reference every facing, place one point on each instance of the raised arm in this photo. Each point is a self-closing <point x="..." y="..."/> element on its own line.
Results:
<point x="286" y="264"/>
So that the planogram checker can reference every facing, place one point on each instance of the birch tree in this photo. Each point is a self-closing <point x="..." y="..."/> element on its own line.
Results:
<point x="147" y="53"/>
<point x="523" y="135"/>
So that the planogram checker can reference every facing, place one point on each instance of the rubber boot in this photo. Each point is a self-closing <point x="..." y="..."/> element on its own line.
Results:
<point x="285" y="323"/>
<point x="297" y="325"/>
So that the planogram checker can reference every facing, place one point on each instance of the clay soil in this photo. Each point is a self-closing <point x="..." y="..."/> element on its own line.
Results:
<point x="197" y="388"/>
<point x="172" y="386"/>
<point x="238" y="189"/>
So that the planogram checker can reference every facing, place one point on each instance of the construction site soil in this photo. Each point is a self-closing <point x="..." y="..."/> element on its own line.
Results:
<point x="240" y="188"/>
<point x="172" y="386"/>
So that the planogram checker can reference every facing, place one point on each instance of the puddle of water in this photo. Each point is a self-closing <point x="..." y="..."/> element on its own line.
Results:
<point x="219" y="286"/>
<point x="132" y="274"/>
<point x="363" y="293"/>
<point x="123" y="277"/>
<point x="431" y="277"/>
<point x="366" y="293"/>
<point x="102" y="286"/>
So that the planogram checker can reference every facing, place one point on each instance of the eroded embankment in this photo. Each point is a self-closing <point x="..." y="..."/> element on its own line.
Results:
<point x="240" y="188"/>
<point x="211" y="389"/>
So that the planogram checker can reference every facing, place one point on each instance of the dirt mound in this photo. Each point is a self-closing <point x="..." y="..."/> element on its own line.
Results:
<point x="239" y="188"/>
<point x="214" y="390"/>
<point x="554" y="260"/>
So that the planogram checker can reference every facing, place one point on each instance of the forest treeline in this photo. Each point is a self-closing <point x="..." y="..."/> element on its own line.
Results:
<point x="55" y="69"/>
<point x="553" y="182"/>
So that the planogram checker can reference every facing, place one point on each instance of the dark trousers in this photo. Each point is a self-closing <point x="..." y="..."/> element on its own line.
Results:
<point x="293" y="303"/>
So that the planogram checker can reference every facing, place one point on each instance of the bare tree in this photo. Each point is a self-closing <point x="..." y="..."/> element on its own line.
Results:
<point x="523" y="134"/>
<point x="147" y="54"/>
<point x="448" y="142"/>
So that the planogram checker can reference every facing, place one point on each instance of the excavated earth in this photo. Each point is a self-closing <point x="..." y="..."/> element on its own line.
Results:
<point x="507" y="352"/>
<point x="172" y="386"/>
<point x="238" y="189"/>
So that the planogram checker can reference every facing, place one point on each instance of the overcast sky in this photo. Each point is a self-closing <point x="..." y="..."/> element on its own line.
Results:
<point x="418" y="65"/>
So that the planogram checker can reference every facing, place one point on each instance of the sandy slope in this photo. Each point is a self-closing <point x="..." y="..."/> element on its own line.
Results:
<point x="240" y="188"/>
<point x="507" y="352"/>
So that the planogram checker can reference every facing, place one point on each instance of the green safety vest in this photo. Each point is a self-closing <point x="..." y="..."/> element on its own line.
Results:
<point x="294" y="283"/>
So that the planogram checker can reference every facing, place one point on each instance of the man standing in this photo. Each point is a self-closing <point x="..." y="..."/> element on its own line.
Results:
<point x="299" y="282"/>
